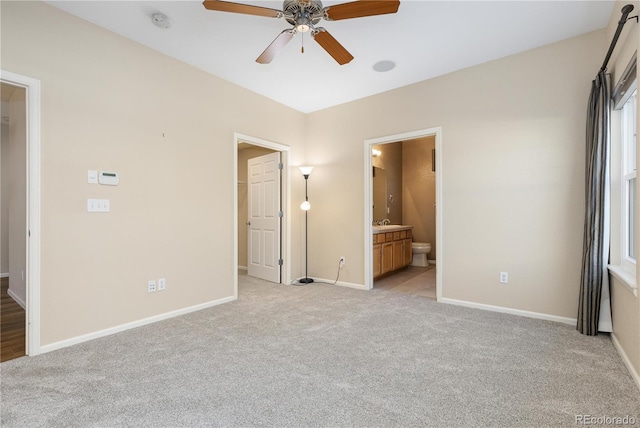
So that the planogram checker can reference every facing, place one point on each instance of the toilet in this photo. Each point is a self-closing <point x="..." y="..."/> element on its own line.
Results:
<point x="420" y="251"/>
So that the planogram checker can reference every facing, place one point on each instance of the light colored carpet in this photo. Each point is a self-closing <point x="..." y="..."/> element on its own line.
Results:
<point x="324" y="356"/>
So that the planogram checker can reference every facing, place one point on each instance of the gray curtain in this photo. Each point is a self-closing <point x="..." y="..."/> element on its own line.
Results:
<point x="595" y="254"/>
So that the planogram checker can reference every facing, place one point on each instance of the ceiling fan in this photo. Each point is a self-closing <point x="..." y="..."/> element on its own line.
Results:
<point x="304" y="15"/>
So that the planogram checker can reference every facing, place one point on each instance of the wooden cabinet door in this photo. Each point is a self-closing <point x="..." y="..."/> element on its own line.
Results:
<point x="408" y="252"/>
<point x="377" y="260"/>
<point x="387" y="257"/>
<point x="398" y="254"/>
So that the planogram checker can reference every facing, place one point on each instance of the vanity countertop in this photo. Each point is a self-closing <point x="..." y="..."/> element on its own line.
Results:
<point x="390" y="228"/>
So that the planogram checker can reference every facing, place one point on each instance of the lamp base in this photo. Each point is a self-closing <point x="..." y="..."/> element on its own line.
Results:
<point x="305" y="280"/>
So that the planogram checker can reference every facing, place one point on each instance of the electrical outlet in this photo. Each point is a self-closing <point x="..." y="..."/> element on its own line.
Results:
<point x="342" y="262"/>
<point x="504" y="277"/>
<point x="162" y="284"/>
<point x="151" y="286"/>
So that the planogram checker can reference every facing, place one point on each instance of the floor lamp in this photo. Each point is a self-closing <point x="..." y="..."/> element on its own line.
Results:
<point x="306" y="171"/>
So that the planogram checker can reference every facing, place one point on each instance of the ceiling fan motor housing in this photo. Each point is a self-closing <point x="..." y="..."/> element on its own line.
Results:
<point x="303" y="13"/>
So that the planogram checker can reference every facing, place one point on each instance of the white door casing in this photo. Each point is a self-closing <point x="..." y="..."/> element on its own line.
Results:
<point x="32" y="87"/>
<point x="264" y="221"/>
<point x="368" y="211"/>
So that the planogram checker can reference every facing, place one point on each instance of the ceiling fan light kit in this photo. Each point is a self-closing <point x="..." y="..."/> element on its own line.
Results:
<point x="304" y="15"/>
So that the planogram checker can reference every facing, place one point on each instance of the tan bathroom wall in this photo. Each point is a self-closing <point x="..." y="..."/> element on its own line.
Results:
<point x="419" y="191"/>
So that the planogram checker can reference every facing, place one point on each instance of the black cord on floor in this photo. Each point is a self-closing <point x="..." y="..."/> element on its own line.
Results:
<point x="295" y="281"/>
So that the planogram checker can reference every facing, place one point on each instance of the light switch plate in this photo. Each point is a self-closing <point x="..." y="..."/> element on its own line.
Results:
<point x="98" y="205"/>
<point x="92" y="176"/>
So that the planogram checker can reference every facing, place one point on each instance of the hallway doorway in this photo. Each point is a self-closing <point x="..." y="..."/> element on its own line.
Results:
<point x="13" y="222"/>
<point x="246" y="148"/>
<point x="23" y="204"/>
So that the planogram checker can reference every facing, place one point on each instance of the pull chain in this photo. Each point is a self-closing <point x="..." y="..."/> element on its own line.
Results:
<point x="302" y="48"/>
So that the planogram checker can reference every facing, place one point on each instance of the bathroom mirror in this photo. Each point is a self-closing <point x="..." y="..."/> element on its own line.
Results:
<point x="379" y="193"/>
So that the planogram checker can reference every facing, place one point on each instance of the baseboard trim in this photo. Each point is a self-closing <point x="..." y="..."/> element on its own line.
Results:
<point x="627" y="362"/>
<point x="4" y="275"/>
<point x="17" y="298"/>
<point x="431" y="262"/>
<point x="128" y="326"/>
<point x="341" y="283"/>
<point x="351" y="285"/>
<point x="511" y="311"/>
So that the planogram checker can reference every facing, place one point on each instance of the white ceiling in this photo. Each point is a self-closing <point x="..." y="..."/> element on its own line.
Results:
<point x="425" y="39"/>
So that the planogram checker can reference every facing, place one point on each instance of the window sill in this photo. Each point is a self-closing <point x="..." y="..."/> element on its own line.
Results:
<point x="627" y="278"/>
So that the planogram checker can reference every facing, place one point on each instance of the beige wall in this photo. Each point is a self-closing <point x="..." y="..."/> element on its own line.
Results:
<point x="168" y="130"/>
<point x="4" y="203"/>
<point x="18" y="195"/>
<point x="243" y="208"/>
<point x="513" y="168"/>
<point x="625" y="307"/>
<point x="419" y="191"/>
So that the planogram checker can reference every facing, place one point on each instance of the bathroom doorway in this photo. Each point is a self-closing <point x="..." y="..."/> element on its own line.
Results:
<point x="403" y="183"/>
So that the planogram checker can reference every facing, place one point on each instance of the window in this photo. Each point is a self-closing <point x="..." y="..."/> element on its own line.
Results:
<point x="628" y="182"/>
<point x="624" y="186"/>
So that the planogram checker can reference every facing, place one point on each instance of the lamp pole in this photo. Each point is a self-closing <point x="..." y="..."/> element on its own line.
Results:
<point x="305" y="206"/>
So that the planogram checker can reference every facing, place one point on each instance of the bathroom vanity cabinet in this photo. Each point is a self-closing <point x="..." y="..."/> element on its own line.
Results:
<point x="391" y="249"/>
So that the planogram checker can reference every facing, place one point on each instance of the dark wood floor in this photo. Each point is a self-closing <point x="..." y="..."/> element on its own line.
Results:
<point x="12" y="325"/>
<point x="414" y="280"/>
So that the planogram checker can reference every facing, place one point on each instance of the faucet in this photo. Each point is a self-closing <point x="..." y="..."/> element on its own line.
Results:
<point x="384" y="222"/>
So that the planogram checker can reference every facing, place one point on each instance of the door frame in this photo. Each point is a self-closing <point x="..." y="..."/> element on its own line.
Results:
<point x="32" y="88"/>
<point x="368" y="198"/>
<point x="285" y="200"/>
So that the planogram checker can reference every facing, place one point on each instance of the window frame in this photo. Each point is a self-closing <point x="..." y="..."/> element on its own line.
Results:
<point x="628" y="174"/>
<point x="623" y="131"/>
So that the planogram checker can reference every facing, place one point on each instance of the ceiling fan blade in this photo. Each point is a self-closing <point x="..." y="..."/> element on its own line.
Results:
<point x="333" y="47"/>
<point x="272" y="50"/>
<point x="361" y="8"/>
<point x="226" y="6"/>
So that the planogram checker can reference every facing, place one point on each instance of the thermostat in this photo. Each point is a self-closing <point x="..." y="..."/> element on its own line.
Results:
<point x="109" y="178"/>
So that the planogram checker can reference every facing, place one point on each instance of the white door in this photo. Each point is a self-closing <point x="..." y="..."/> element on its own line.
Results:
<point x="264" y="217"/>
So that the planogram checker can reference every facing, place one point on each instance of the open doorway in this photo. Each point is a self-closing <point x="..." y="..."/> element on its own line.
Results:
<point x="404" y="194"/>
<point x="403" y="248"/>
<point x="23" y="95"/>
<point x="262" y="242"/>
<point x="13" y="222"/>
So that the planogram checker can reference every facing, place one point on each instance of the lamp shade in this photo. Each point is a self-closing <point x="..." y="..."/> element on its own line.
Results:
<point x="306" y="170"/>
<point x="305" y="206"/>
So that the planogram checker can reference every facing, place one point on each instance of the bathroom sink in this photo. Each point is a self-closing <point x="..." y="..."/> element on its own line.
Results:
<point x="391" y="227"/>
